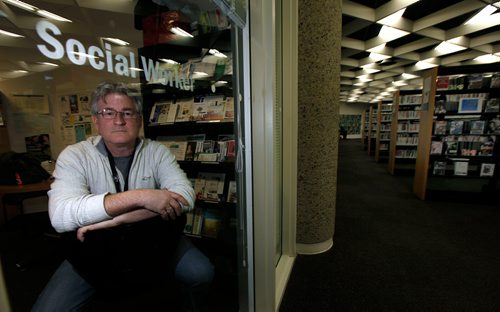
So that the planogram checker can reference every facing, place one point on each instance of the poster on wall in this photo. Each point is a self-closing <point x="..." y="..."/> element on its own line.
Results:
<point x="39" y="146"/>
<point x="76" y="117"/>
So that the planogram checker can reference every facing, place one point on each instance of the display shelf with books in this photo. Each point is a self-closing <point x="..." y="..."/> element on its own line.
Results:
<point x="372" y="130"/>
<point x="365" y="134"/>
<point x="188" y="105"/>
<point x="459" y="150"/>
<point x="384" y="131"/>
<point x="404" y="132"/>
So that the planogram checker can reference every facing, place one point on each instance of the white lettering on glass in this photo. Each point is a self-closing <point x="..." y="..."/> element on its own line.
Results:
<point x="119" y="64"/>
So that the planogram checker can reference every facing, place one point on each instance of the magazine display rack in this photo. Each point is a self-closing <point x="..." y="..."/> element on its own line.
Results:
<point x="460" y="131"/>
<point x="405" y="127"/>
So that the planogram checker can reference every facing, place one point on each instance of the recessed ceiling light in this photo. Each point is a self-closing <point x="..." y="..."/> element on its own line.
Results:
<point x="216" y="53"/>
<point x="483" y="15"/>
<point x="487" y="58"/>
<point x="10" y="34"/>
<point x="424" y="65"/>
<point x="169" y="61"/>
<point x="446" y="47"/>
<point x="390" y="33"/>
<point x="116" y="41"/>
<point x="181" y="32"/>
<point x="48" y="64"/>
<point x="407" y="76"/>
<point x="393" y="18"/>
<point x="22" y="5"/>
<point x="53" y="16"/>
<point x="378" y="57"/>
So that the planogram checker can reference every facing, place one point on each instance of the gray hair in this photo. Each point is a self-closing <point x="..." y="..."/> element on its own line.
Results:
<point x="108" y="87"/>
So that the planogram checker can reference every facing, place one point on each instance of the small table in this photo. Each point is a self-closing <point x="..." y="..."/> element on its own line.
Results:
<point x="24" y="191"/>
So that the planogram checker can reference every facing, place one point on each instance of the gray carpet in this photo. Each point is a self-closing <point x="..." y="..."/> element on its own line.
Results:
<point x="394" y="252"/>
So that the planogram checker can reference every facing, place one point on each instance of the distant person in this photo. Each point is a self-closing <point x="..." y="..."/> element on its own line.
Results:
<point x="343" y="133"/>
<point x="113" y="179"/>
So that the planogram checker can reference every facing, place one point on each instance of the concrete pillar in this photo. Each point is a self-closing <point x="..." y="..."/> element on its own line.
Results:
<point x="319" y="38"/>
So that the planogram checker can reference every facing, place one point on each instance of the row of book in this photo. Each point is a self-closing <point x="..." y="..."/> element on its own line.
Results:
<point x="413" y="127"/>
<point x="409" y="114"/>
<point x="196" y="148"/>
<point x="469" y="145"/>
<point x="407" y="140"/>
<point x="204" y="222"/>
<point x="198" y="108"/>
<point x="461" y="167"/>
<point x="468" y="82"/>
<point x="406" y="153"/>
<point x="411" y="99"/>
<point x="211" y="186"/>
<point x="458" y="127"/>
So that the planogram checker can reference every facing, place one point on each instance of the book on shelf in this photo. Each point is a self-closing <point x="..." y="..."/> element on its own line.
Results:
<point x="232" y="192"/>
<point x="436" y="147"/>
<point x="495" y="81"/>
<point x="213" y="185"/>
<point x="178" y="148"/>
<point x="457" y="83"/>
<point x="188" y="227"/>
<point x="475" y="81"/>
<point x="460" y="166"/>
<point x="440" y="108"/>
<point x="487" y="170"/>
<point x="442" y="83"/>
<point x="163" y="112"/>
<point x="440" y="127"/>
<point x="439" y="168"/>
<point x="229" y="111"/>
<point x="456" y="126"/>
<point x="191" y="151"/>
<point x="197" y="221"/>
<point x="450" y="145"/>
<point x="493" y="126"/>
<point x="492" y="105"/>
<point x="212" y="223"/>
<point x="209" y="107"/>
<point x="185" y="110"/>
<point x="477" y="126"/>
<point x="216" y="107"/>
<point x="487" y="146"/>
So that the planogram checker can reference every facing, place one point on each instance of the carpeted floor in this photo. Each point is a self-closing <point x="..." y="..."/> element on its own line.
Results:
<point x="394" y="252"/>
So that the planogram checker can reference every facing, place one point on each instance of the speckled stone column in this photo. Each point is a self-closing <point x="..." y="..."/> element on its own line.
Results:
<point x="320" y="33"/>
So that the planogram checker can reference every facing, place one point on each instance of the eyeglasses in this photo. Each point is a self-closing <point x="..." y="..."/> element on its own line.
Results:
<point x="108" y="113"/>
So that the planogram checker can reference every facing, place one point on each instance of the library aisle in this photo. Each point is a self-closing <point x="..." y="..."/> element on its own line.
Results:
<point x="394" y="252"/>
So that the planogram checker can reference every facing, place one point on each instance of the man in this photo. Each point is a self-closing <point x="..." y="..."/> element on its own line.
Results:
<point x="117" y="178"/>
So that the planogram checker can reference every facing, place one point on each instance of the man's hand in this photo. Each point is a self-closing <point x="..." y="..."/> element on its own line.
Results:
<point x="167" y="204"/>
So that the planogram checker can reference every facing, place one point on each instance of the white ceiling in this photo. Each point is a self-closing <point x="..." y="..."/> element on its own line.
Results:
<point x="427" y="23"/>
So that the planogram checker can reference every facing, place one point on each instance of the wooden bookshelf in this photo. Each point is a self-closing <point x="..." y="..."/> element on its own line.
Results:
<point x="383" y="139"/>
<point x="404" y="132"/>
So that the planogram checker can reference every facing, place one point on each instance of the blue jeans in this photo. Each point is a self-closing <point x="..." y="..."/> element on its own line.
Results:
<point x="68" y="291"/>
